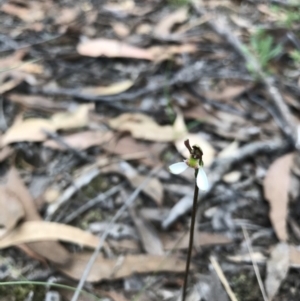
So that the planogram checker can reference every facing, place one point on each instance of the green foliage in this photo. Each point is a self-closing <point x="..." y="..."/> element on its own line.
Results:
<point x="264" y="48"/>
<point x="291" y="17"/>
<point x="179" y="2"/>
<point x="21" y="292"/>
<point x="295" y="55"/>
<point x="287" y="16"/>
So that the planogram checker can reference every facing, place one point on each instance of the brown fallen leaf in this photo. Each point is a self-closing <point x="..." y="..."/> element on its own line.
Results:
<point x="180" y="240"/>
<point x="294" y="256"/>
<point x="128" y="7"/>
<point x="123" y="6"/>
<point x="52" y="251"/>
<point x="81" y="140"/>
<point x="229" y="92"/>
<point x="28" y="130"/>
<point x="30" y="67"/>
<point x="67" y="15"/>
<point x="11" y="210"/>
<point x="10" y="84"/>
<point x="36" y="102"/>
<point x="144" y="127"/>
<point x="29" y="252"/>
<point x="120" y="29"/>
<point x="112" y="48"/>
<point x="161" y="53"/>
<point x="125" y="244"/>
<point x="5" y="152"/>
<point x="11" y="61"/>
<point x="164" y="27"/>
<point x="126" y="145"/>
<point x="148" y="236"/>
<point x="29" y="13"/>
<point x="38" y="231"/>
<point x="75" y="119"/>
<point x="276" y="189"/>
<point x="32" y="129"/>
<point x="247" y="258"/>
<point x="113" y="89"/>
<point x="199" y="113"/>
<point x="122" y="266"/>
<point x="277" y="268"/>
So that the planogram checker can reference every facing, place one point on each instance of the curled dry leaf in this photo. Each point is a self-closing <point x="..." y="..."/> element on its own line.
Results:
<point x="161" y="53"/>
<point x="112" y="48"/>
<point x="10" y="84"/>
<point x="164" y="27"/>
<point x="229" y="92"/>
<point x="113" y="89"/>
<point x="277" y="268"/>
<point x="69" y="120"/>
<point x="38" y="231"/>
<point x="276" y="190"/>
<point x="81" y="140"/>
<point x="143" y="127"/>
<point x="33" y="129"/>
<point x="37" y="102"/>
<point x="28" y="130"/>
<point x="122" y="266"/>
<point x="127" y="145"/>
<point x="11" y="210"/>
<point x="50" y="250"/>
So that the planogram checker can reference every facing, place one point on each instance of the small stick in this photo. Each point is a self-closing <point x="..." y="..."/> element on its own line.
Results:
<point x="255" y="267"/>
<point x="188" y="261"/>
<point x="222" y="278"/>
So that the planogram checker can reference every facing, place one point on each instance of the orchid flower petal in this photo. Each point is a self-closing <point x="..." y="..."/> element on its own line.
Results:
<point x="178" y="168"/>
<point x="202" y="181"/>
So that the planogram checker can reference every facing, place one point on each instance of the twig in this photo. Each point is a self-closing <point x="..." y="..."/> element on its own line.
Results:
<point x="83" y="180"/>
<point x="93" y="202"/>
<point x="274" y="93"/>
<point x="222" y="278"/>
<point x="190" y="249"/>
<point x="255" y="267"/>
<point x="94" y="256"/>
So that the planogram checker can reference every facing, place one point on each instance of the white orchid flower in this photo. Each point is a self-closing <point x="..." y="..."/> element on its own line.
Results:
<point x="195" y="162"/>
<point x="202" y="181"/>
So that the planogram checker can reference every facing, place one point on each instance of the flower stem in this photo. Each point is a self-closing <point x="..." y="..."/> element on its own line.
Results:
<point x="188" y="260"/>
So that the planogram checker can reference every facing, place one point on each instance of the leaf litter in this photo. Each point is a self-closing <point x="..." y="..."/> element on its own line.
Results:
<point x="91" y="99"/>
